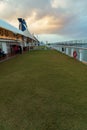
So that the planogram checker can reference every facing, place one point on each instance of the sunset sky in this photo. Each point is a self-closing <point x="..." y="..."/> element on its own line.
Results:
<point x="49" y="20"/>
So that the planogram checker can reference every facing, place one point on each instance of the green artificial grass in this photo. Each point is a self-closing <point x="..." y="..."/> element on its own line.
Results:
<point x="43" y="90"/>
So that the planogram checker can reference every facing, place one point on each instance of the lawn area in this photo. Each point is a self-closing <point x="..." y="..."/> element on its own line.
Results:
<point x="43" y="90"/>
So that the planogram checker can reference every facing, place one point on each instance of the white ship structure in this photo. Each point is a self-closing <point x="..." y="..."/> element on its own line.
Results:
<point x="13" y="40"/>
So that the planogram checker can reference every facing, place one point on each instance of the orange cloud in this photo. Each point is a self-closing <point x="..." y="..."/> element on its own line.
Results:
<point x="2" y="6"/>
<point x="47" y="24"/>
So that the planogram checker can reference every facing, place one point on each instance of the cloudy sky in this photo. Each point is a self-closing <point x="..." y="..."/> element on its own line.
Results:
<point x="49" y="20"/>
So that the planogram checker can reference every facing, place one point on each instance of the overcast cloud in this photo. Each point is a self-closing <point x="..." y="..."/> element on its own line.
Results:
<point x="66" y="18"/>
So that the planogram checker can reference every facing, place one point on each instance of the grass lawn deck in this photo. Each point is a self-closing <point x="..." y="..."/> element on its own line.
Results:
<point x="43" y="90"/>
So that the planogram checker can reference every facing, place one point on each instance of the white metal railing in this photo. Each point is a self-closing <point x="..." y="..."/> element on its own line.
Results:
<point x="81" y="52"/>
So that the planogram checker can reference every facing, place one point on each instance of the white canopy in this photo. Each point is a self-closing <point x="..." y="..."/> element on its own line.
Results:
<point x="9" y="27"/>
<point x="13" y="29"/>
<point x="28" y="34"/>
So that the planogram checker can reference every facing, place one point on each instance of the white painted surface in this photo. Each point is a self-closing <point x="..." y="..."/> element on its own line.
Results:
<point x="4" y="47"/>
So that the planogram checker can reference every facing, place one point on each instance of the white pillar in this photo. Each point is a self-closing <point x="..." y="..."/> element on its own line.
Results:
<point x="80" y="55"/>
<point x="67" y="51"/>
<point x="4" y="47"/>
<point x="72" y="50"/>
<point x="60" y="49"/>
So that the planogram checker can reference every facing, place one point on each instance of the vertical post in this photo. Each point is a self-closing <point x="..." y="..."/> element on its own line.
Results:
<point x="80" y="54"/>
